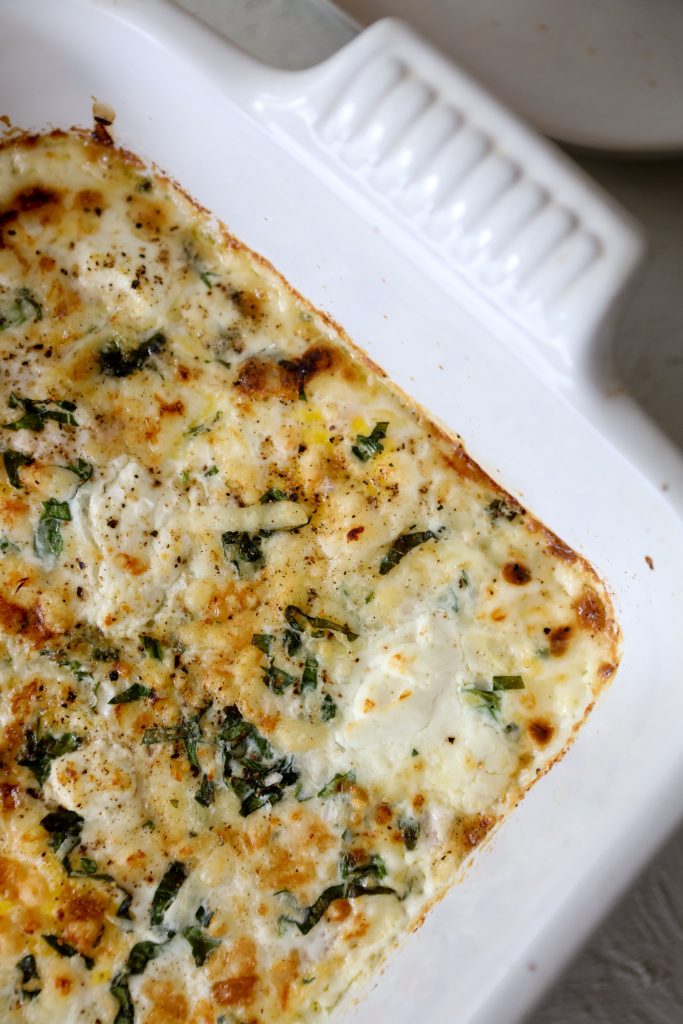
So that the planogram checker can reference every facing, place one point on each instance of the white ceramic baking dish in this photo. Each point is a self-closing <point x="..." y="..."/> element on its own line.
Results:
<point x="484" y="273"/>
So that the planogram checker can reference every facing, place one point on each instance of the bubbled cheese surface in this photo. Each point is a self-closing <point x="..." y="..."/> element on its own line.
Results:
<point x="185" y="524"/>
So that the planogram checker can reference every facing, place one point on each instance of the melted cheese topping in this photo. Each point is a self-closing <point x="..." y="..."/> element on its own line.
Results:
<point x="198" y="469"/>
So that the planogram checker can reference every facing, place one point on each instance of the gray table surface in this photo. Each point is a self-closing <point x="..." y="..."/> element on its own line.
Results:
<point x="632" y="970"/>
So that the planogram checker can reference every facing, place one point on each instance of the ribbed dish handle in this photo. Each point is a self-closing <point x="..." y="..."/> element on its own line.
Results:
<point x="389" y="117"/>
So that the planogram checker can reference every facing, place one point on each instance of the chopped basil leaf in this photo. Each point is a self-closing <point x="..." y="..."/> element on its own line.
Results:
<point x="263" y="641"/>
<point x="188" y="731"/>
<point x="123" y="909"/>
<point x="105" y="654"/>
<point x="250" y="765"/>
<point x="167" y="890"/>
<point x="82" y="469"/>
<point x="87" y="869"/>
<point x="349" y="890"/>
<point x="400" y="548"/>
<point x="328" y="709"/>
<point x="275" y="494"/>
<point x="499" y="508"/>
<point x="292" y="641"/>
<point x="63" y="824"/>
<point x="25" y="305"/>
<point x="65" y="949"/>
<point x="36" y="412"/>
<point x="38" y="752"/>
<point x="152" y="647"/>
<point x="29" y="973"/>
<point x="118" y="362"/>
<point x="13" y="460"/>
<point x="47" y="540"/>
<point x="276" y="679"/>
<point x="490" y="700"/>
<point x="366" y="447"/>
<point x="508" y="683"/>
<point x="373" y="867"/>
<point x="211" y="471"/>
<point x="298" y="620"/>
<point x="201" y="944"/>
<point x="203" y="428"/>
<point x="205" y="793"/>
<point x="338" y="783"/>
<point x="6" y="545"/>
<point x="135" y="692"/>
<point x="309" y="678"/>
<point x="410" y="830"/>
<point x="242" y="547"/>
<point x="204" y="916"/>
<point x="121" y="993"/>
<point x="141" y="954"/>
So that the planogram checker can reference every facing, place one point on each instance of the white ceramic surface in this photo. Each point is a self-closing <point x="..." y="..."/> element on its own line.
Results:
<point x="591" y="466"/>
<point x="606" y="74"/>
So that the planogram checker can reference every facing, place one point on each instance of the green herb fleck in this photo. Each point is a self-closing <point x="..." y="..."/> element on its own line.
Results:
<point x="29" y="976"/>
<point x="339" y="783"/>
<point x="38" y="752"/>
<point x="205" y="793"/>
<point x="299" y="619"/>
<point x="135" y="692"/>
<point x="490" y="699"/>
<point x="121" y="993"/>
<point x="47" y="540"/>
<point x="105" y="654"/>
<point x="251" y="766"/>
<point x="167" y="890"/>
<point x="25" y="306"/>
<point x="152" y="647"/>
<point x="499" y="508"/>
<point x="63" y="825"/>
<point x="202" y="428"/>
<point x="410" y="830"/>
<point x="118" y="362"/>
<point x="13" y="460"/>
<point x="211" y="471"/>
<point x="242" y="547"/>
<point x="276" y="679"/>
<point x="65" y="949"/>
<point x="275" y="494"/>
<point x="82" y="469"/>
<point x="263" y="641"/>
<point x="309" y="678"/>
<point x="400" y="548"/>
<point x="328" y="709"/>
<point x="36" y="413"/>
<point x="366" y="447"/>
<point x="201" y="944"/>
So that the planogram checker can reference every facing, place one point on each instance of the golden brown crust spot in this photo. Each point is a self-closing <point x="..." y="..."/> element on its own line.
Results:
<point x="590" y="611"/>
<point x="541" y="731"/>
<point x="261" y="378"/>
<point x="82" y="917"/>
<point x="169" y="1003"/>
<point x="284" y="974"/>
<point x="470" y="830"/>
<point x="26" y="622"/>
<point x="558" y="548"/>
<point x="515" y="573"/>
<point x="558" y="640"/>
